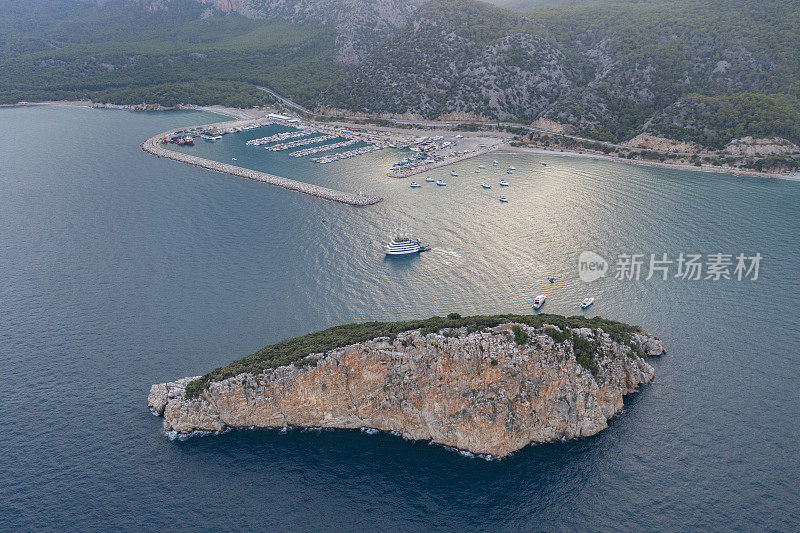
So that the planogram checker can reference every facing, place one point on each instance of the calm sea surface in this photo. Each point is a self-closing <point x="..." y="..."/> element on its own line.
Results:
<point x="119" y="270"/>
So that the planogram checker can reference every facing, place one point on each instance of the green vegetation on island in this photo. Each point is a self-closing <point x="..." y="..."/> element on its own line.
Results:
<point x="296" y="350"/>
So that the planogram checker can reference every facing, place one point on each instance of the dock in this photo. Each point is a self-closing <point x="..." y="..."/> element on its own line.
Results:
<point x="447" y="160"/>
<point x="156" y="146"/>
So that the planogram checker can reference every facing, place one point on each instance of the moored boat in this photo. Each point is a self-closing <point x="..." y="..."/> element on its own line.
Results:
<point x="415" y="185"/>
<point x="440" y="183"/>
<point x="486" y="185"/>
<point x="504" y="199"/>
<point x="503" y="183"/>
<point x="429" y="179"/>
<point x="453" y="173"/>
<point x="539" y="301"/>
<point x="586" y="302"/>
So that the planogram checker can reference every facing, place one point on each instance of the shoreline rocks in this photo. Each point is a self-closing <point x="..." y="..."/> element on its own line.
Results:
<point x="479" y="392"/>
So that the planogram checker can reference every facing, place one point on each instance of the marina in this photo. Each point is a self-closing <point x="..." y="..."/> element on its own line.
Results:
<point x="324" y="148"/>
<point x="300" y="142"/>
<point x="156" y="146"/>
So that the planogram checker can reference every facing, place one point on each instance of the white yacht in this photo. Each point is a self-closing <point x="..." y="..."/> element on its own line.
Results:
<point x="494" y="163"/>
<point x="539" y="301"/>
<point x="504" y="199"/>
<point x="512" y="168"/>
<point x="503" y="183"/>
<point x="440" y="183"/>
<point x="415" y="185"/>
<point x="586" y="302"/>
<point x="481" y="166"/>
<point x="509" y="171"/>
<point x="403" y="246"/>
<point x="453" y="173"/>
<point x="486" y="185"/>
<point x="429" y="179"/>
<point x="477" y="171"/>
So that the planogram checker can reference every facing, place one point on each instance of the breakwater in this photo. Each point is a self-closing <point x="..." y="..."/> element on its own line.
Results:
<point x="155" y="146"/>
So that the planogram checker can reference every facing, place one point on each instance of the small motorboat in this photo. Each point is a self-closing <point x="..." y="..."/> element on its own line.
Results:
<point x="453" y="173"/>
<point x="494" y="163"/>
<point x="477" y="171"/>
<point x="503" y="183"/>
<point x="512" y="168"/>
<point x="415" y="185"/>
<point x="509" y="171"/>
<point x="586" y="302"/>
<point x="429" y="179"/>
<point x="504" y="199"/>
<point x="481" y="166"/>
<point x="551" y="280"/>
<point x="486" y="185"/>
<point x="234" y="159"/>
<point x="544" y="164"/>
<point x="539" y="301"/>
<point x="440" y="183"/>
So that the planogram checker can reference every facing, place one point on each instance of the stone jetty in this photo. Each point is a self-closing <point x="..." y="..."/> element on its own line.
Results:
<point x="155" y="146"/>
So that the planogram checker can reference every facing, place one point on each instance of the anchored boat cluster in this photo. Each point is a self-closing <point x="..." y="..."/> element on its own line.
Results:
<point x="434" y="152"/>
<point x="313" y="134"/>
<point x="210" y="133"/>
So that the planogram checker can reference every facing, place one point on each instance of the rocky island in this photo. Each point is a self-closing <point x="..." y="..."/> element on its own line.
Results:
<point x="487" y="385"/>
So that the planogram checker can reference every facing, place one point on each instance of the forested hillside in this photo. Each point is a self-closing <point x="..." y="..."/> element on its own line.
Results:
<point x="702" y="71"/>
<point x="611" y="69"/>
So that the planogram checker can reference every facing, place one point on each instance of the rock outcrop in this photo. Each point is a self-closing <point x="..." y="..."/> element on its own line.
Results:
<point x="481" y="392"/>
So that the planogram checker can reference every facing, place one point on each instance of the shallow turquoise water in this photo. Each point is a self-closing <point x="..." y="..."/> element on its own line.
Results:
<point x="119" y="269"/>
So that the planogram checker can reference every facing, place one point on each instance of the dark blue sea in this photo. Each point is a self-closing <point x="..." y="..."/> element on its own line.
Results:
<point x="119" y="269"/>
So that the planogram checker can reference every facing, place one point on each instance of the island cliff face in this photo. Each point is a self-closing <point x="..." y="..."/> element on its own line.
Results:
<point x="486" y="392"/>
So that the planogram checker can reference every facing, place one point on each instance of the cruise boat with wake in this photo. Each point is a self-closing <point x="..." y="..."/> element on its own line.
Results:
<point x="404" y="244"/>
<point x="539" y="301"/>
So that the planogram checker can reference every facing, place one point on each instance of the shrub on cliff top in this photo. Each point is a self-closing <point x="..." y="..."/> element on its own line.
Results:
<point x="520" y="335"/>
<point x="293" y="350"/>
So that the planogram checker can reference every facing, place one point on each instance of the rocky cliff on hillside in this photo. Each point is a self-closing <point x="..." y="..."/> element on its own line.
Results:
<point x="359" y="24"/>
<point x="492" y="391"/>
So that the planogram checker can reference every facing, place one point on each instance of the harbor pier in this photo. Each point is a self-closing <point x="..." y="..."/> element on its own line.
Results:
<point x="155" y="145"/>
